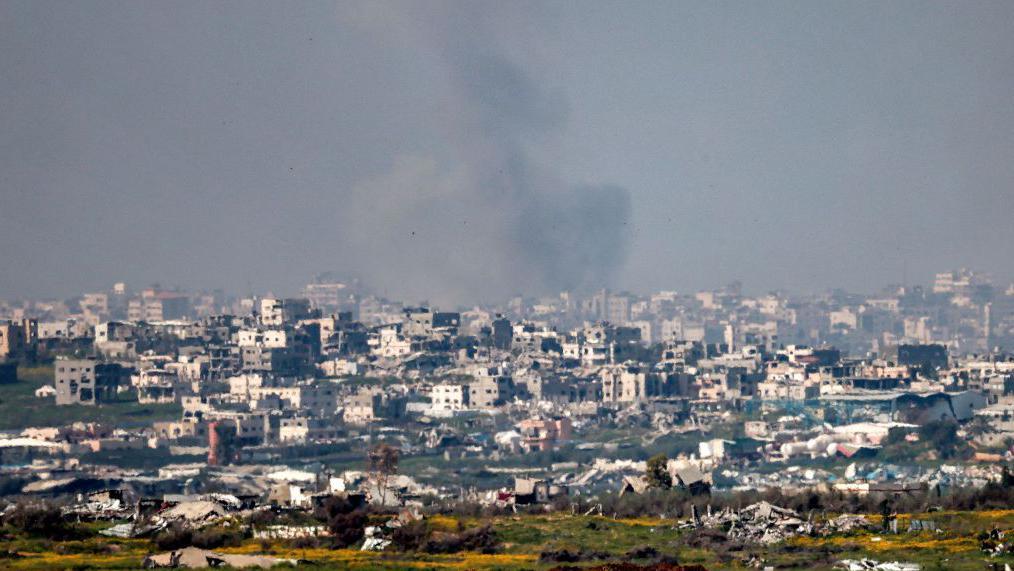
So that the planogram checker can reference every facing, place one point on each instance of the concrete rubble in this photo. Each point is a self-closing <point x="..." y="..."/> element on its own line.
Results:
<point x="195" y="558"/>
<point x="765" y="523"/>
<point x="847" y="523"/>
<point x="374" y="539"/>
<point x="913" y="477"/>
<point x="194" y="513"/>
<point x="995" y="545"/>
<point x="871" y="565"/>
<point x="377" y="536"/>
<point x="103" y="505"/>
<point x="291" y="531"/>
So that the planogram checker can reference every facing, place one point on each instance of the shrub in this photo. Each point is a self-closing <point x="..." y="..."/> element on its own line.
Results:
<point x="643" y="552"/>
<point x="262" y="518"/>
<point x="571" y="556"/>
<point x="419" y="536"/>
<point x="657" y="472"/>
<point x="307" y="542"/>
<point x="215" y="537"/>
<point x="44" y="520"/>
<point x="346" y="521"/>
<point x="174" y="537"/>
<point x="347" y="529"/>
<point x="411" y="536"/>
<point x="480" y="539"/>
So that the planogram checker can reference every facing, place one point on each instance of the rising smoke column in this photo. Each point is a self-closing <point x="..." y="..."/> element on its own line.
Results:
<point x="483" y="218"/>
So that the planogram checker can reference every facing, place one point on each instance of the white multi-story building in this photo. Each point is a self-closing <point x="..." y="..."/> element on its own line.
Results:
<point x="449" y="397"/>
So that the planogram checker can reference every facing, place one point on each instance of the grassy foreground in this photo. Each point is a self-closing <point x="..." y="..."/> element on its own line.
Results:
<point x="524" y="537"/>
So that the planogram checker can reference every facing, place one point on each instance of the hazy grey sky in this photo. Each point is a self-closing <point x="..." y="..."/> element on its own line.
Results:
<point x="446" y="149"/>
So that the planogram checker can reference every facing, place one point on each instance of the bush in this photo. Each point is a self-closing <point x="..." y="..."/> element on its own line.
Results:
<point x="571" y="556"/>
<point x="657" y="472"/>
<point x="43" y="520"/>
<point x="174" y="537"/>
<point x="262" y="518"/>
<point x="215" y="537"/>
<point x="347" y="529"/>
<point x="178" y="536"/>
<point x="654" y="502"/>
<point x="942" y="436"/>
<point x="479" y="539"/>
<point x="411" y="536"/>
<point x="705" y="538"/>
<point x="643" y="552"/>
<point x="307" y="542"/>
<point x="346" y="521"/>
<point x="85" y="547"/>
<point x="419" y="536"/>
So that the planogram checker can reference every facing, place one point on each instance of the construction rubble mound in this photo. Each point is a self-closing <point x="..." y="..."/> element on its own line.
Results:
<point x="195" y="558"/>
<point x="765" y="523"/>
<point x="377" y="535"/>
<point x="871" y="565"/>
<point x="192" y="514"/>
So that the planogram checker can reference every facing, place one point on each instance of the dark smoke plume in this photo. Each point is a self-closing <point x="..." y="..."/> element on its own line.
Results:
<point x="484" y="218"/>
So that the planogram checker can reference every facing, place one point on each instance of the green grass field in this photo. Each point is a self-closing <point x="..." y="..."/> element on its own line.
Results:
<point x="524" y="537"/>
<point x="20" y="408"/>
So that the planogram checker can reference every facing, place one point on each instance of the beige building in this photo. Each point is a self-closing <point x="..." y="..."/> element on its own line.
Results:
<point x="12" y="340"/>
<point x="623" y="383"/>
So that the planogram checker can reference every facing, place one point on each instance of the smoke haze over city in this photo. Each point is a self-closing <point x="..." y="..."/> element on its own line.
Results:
<point x="464" y="152"/>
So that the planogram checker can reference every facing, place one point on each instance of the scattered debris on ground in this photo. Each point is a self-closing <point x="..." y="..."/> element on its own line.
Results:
<point x="764" y="523"/>
<point x="871" y="565"/>
<point x="634" y="567"/>
<point x="993" y="543"/>
<point x="378" y="536"/>
<point x="196" y="513"/>
<point x="195" y="558"/>
<point x="104" y="505"/>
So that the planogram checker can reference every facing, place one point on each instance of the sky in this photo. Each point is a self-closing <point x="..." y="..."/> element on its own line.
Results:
<point x="469" y="151"/>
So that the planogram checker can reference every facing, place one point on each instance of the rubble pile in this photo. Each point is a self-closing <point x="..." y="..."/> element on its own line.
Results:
<point x="871" y="565"/>
<point x="845" y="523"/>
<point x="765" y="523"/>
<point x="291" y="532"/>
<point x="378" y="536"/>
<point x="794" y="477"/>
<point x="196" y="513"/>
<point x="995" y="545"/>
<point x="195" y="558"/>
<point x="98" y="506"/>
<point x="757" y="523"/>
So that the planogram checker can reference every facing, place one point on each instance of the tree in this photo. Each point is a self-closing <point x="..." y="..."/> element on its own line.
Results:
<point x="1006" y="478"/>
<point x="383" y="461"/>
<point x="657" y="472"/>
<point x="896" y="436"/>
<point x="346" y="521"/>
<point x="978" y="426"/>
<point x="43" y="520"/>
<point x="942" y="435"/>
<point x="227" y="443"/>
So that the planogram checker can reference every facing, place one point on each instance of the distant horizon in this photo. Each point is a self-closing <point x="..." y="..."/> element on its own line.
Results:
<point x="468" y="151"/>
<point x="999" y="287"/>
